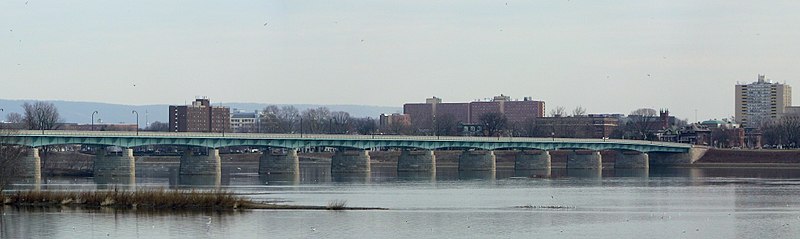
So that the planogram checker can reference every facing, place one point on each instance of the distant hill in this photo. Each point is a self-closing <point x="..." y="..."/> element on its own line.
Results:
<point x="81" y="112"/>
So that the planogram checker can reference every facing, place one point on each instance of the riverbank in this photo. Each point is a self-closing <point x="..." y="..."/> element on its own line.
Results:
<point x="153" y="200"/>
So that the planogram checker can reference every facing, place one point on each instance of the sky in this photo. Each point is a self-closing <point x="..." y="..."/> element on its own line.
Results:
<point x="606" y="56"/>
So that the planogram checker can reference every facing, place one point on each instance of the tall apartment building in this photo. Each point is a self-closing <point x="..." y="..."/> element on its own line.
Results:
<point x="760" y="101"/>
<point x="516" y="111"/>
<point x="200" y="116"/>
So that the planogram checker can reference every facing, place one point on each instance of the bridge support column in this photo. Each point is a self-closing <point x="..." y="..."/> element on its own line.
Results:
<point x="192" y="164"/>
<point x="350" y="161"/>
<point x="667" y="159"/>
<point x="584" y="160"/>
<point x="632" y="159"/>
<point x="279" y="161"/>
<point x="532" y="160"/>
<point x="32" y="164"/>
<point x="477" y="160"/>
<point x="416" y="161"/>
<point x="113" y="165"/>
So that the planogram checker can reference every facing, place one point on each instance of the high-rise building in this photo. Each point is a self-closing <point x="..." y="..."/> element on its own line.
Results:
<point x="760" y="101"/>
<point x="200" y="116"/>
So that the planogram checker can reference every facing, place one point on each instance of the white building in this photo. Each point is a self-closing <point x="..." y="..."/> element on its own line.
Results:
<point x="245" y="122"/>
<point x="761" y="101"/>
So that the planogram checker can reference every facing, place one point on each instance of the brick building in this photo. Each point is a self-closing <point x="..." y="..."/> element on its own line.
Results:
<point x="423" y="115"/>
<point x="200" y="116"/>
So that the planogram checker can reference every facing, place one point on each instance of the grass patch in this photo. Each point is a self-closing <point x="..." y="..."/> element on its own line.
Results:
<point x="145" y="199"/>
<point x="158" y="199"/>
<point x="337" y="204"/>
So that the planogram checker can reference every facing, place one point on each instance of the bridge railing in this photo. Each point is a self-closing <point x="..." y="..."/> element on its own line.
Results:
<point x="71" y="133"/>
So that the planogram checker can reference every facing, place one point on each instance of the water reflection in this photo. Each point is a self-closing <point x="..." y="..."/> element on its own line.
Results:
<point x="591" y="173"/>
<point x="416" y="176"/>
<point x="115" y="182"/>
<point x="477" y="175"/>
<point x="280" y="179"/>
<point x="194" y="181"/>
<point x="534" y="173"/>
<point x="363" y="177"/>
<point x="632" y="172"/>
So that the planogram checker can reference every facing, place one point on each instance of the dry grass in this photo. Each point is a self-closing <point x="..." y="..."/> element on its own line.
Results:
<point x="158" y="199"/>
<point x="146" y="199"/>
<point x="337" y="205"/>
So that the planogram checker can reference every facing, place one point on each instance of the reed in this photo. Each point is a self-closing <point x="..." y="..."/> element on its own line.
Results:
<point x="337" y="205"/>
<point x="145" y="199"/>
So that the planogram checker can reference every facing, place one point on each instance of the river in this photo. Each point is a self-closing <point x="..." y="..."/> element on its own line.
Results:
<point x="655" y="203"/>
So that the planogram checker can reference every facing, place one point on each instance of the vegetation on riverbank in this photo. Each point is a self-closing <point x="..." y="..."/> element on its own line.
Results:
<point x="148" y="199"/>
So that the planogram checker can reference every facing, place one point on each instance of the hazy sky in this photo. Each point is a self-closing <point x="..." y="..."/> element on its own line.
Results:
<point x="608" y="56"/>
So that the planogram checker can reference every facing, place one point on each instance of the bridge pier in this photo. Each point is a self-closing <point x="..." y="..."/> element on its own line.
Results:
<point x="632" y="159"/>
<point x="350" y="161"/>
<point x="279" y="161"/>
<point x="32" y="164"/>
<point x="580" y="159"/>
<point x="416" y="161"/>
<point x="477" y="160"/>
<point x="532" y="160"/>
<point x="113" y="165"/>
<point x="666" y="159"/>
<point x="193" y="164"/>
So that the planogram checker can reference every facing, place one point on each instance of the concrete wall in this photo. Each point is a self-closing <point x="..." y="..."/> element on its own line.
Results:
<point x="279" y="162"/>
<point x="192" y="164"/>
<point x="350" y="161"/>
<point x="416" y="161"/>
<point x="581" y="159"/>
<point x="532" y="160"/>
<point x="477" y="160"/>
<point x="114" y="165"/>
<point x="668" y="159"/>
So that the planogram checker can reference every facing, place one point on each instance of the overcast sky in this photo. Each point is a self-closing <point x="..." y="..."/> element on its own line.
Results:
<point x="608" y="56"/>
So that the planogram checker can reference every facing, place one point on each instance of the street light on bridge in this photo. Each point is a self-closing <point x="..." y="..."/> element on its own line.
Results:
<point x="95" y="112"/>
<point x="137" y="121"/>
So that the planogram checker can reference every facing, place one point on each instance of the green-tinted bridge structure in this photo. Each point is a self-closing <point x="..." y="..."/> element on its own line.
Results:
<point x="352" y="154"/>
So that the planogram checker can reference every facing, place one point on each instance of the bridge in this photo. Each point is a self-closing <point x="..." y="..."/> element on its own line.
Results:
<point x="201" y="154"/>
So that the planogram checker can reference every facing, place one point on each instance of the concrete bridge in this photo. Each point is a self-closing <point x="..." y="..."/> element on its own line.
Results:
<point x="201" y="156"/>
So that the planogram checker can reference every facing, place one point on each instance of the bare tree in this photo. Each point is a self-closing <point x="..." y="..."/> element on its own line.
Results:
<point x="579" y="111"/>
<point x="41" y="115"/>
<point x="11" y="164"/>
<point x="276" y="119"/>
<point x="365" y="126"/>
<point x="14" y="117"/>
<point x="559" y="111"/>
<point x="315" y="120"/>
<point x="158" y="126"/>
<point x="339" y="122"/>
<point x="493" y="123"/>
<point x="642" y="122"/>
<point x="446" y="125"/>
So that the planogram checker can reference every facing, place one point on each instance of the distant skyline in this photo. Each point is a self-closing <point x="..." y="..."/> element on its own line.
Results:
<point x="607" y="56"/>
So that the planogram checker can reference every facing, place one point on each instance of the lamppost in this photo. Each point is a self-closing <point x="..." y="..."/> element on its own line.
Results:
<point x="137" y="121"/>
<point x="41" y="118"/>
<point x="95" y="112"/>
<point x="301" y="127"/>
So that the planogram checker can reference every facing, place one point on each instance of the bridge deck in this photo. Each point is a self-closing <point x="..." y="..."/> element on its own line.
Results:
<point x="35" y="138"/>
